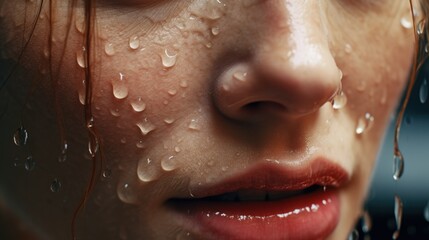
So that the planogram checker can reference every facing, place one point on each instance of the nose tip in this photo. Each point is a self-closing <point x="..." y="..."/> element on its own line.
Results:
<point x="249" y="92"/>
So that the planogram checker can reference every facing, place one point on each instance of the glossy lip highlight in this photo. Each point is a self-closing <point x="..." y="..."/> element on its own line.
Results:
<point x="307" y="215"/>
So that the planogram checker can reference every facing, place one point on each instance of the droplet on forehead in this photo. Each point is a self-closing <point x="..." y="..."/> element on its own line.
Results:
<point x="20" y="136"/>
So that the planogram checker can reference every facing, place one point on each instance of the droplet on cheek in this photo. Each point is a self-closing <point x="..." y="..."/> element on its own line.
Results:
<point x="126" y="193"/>
<point x="364" y="123"/>
<point x="29" y="164"/>
<point x="20" y="137"/>
<point x="168" y="59"/>
<point x="134" y="42"/>
<point x="120" y="90"/>
<point x="215" y="31"/>
<point x="406" y="21"/>
<point x="138" y="105"/>
<point x="55" y="185"/>
<point x="109" y="49"/>
<point x="147" y="170"/>
<point x="146" y="126"/>
<point x="169" y="163"/>
<point x="194" y="125"/>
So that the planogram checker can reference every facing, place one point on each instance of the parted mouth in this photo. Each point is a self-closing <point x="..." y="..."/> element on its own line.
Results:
<point x="268" y="182"/>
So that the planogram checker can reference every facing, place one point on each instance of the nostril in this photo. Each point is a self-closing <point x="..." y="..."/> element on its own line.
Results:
<point x="263" y="106"/>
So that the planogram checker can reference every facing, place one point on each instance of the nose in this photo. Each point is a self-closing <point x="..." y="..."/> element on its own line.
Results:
<point x="290" y="71"/>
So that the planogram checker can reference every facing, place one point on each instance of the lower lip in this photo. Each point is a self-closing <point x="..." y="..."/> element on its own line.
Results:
<point x="310" y="216"/>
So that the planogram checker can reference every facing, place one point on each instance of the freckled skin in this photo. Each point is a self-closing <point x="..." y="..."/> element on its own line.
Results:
<point x="292" y="52"/>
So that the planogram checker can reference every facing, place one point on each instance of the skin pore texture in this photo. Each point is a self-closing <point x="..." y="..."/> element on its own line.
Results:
<point x="187" y="94"/>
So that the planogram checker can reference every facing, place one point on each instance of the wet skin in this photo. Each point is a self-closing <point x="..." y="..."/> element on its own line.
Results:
<point x="209" y="90"/>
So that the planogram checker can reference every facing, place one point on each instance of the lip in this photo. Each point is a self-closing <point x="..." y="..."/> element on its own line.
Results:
<point x="312" y="215"/>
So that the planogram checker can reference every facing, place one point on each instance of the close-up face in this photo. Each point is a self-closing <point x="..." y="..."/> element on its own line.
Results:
<point x="196" y="119"/>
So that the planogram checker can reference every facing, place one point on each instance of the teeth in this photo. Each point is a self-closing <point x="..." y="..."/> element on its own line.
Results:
<point x="252" y="195"/>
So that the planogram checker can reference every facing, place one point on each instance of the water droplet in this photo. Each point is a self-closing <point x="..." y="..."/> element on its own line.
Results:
<point x="138" y="105"/>
<point x="134" y="42"/>
<point x="93" y="147"/>
<point x="406" y="22"/>
<point x="398" y="216"/>
<point x="80" y="57"/>
<point x="123" y="140"/>
<point x="146" y="171"/>
<point x="354" y="235"/>
<point x="107" y="173"/>
<point x="63" y="153"/>
<point x="423" y="92"/>
<point x="120" y="90"/>
<point x="140" y="144"/>
<point x="215" y="31"/>
<point x="339" y="101"/>
<point x="115" y="112"/>
<point x="348" y="48"/>
<point x="364" y="123"/>
<point x="421" y="27"/>
<point x="240" y="76"/>
<point x="82" y="93"/>
<point x="194" y="125"/>
<point x="109" y="49"/>
<point x="361" y="85"/>
<point x="169" y="120"/>
<point x="398" y="165"/>
<point x="366" y="222"/>
<point x="29" y="164"/>
<point x="168" y="59"/>
<point x="172" y="92"/>
<point x="169" y="163"/>
<point x="20" y="137"/>
<point x="146" y="126"/>
<point x="126" y="193"/>
<point x="426" y="212"/>
<point x="177" y="149"/>
<point x="55" y="185"/>
<point x="183" y="84"/>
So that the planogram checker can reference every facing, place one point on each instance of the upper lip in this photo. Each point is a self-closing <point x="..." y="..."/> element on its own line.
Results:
<point x="268" y="176"/>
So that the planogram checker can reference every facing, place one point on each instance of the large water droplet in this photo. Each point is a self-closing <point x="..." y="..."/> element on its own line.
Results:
<point x="55" y="185"/>
<point x="138" y="105"/>
<point x="423" y="92"/>
<point x="147" y="171"/>
<point x="20" y="137"/>
<point x="63" y="153"/>
<point x="364" y="123"/>
<point x="426" y="212"/>
<point x="29" y="164"/>
<point x="366" y="222"/>
<point x="109" y="49"/>
<point x="398" y="165"/>
<point x="146" y="126"/>
<point x="398" y="216"/>
<point x="406" y="22"/>
<point x="134" y="42"/>
<point x="169" y="163"/>
<point x="168" y="59"/>
<point x="354" y="235"/>
<point x="80" y="57"/>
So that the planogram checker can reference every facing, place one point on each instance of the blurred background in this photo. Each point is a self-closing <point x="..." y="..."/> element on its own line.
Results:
<point x="413" y="186"/>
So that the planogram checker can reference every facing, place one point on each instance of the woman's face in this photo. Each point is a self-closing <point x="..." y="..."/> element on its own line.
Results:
<point x="215" y="118"/>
